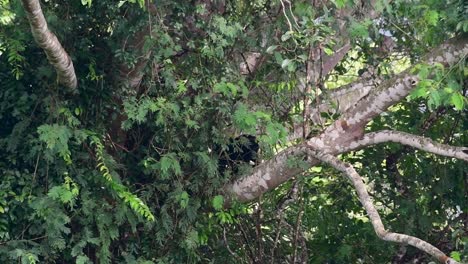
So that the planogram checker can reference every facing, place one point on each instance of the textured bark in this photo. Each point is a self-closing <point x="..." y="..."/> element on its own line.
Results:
<point x="347" y="134"/>
<point x="132" y="76"/>
<point x="397" y="88"/>
<point x="350" y="126"/>
<point x="414" y="141"/>
<point x="342" y="99"/>
<point x="339" y="135"/>
<point x="47" y="40"/>
<point x="269" y="174"/>
<point x="373" y="214"/>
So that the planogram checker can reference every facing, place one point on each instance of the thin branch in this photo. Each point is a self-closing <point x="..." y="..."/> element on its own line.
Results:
<point x="374" y="216"/>
<point x="298" y="236"/>
<point x="247" y="243"/>
<point x="47" y="40"/>
<point x="227" y="244"/>
<point x="419" y="142"/>
<point x="258" y="231"/>
<point x="286" y="16"/>
<point x="290" y="197"/>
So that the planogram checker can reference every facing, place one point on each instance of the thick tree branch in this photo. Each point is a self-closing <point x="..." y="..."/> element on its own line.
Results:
<point x="350" y="126"/>
<point x="269" y="174"/>
<point x="47" y="40"/>
<point x="373" y="214"/>
<point x="414" y="141"/>
<point x="341" y="99"/>
<point x="338" y="136"/>
<point x="398" y="87"/>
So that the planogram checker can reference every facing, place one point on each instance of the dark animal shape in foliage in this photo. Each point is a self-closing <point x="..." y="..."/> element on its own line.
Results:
<point x="240" y="150"/>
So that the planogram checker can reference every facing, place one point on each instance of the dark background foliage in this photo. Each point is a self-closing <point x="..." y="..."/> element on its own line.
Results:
<point x="76" y="169"/>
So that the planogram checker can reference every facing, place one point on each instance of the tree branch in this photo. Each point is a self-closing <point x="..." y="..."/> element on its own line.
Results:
<point x="269" y="174"/>
<point x="47" y="40"/>
<point x="414" y="141"/>
<point x="374" y="216"/>
<point x="132" y="76"/>
<point x="398" y="87"/>
<point x="350" y="127"/>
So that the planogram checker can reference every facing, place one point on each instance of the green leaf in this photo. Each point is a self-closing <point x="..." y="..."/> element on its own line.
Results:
<point x="82" y="259"/>
<point x="423" y="72"/>
<point x="420" y="91"/>
<point x="287" y="35"/>
<point x="328" y="51"/>
<point x="184" y="199"/>
<point x="360" y="30"/>
<point x="431" y="17"/>
<point x="278" y="57"/>
<point x="170" y="163"/>
<point x="244" y="119"/>
<point x="227" y="89"/>
<point x="456" y="255"/>
<point x="218" y="202"/>
<point x="340" y="3"/>
<point x="86" y="2"/>
<point x="271" y="49"/>
<point x="285" y="63"/>
<point x="56" y="138"/>
<point x="292" y="66"/>
<point x="458" y="101"/>
<point x="316" y="169"/>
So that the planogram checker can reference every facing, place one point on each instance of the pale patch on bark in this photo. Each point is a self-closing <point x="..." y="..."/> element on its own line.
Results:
<point x="342" y="99"/>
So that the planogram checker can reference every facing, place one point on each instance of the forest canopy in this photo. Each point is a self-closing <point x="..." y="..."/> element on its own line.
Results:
<point x="222" y="131"/>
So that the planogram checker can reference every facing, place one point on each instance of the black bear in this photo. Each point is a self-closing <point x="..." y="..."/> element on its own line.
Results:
<point x="240" y="150"/>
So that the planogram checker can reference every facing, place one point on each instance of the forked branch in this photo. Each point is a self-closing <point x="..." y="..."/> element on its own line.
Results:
<point x="374" y="216"/>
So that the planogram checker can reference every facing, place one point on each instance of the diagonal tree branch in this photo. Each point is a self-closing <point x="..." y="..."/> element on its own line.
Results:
<point x="398" y="87"/>
<point x="350" y="127"/>
<point x="47" y="40"/>
<point x="415" y="141"/>
<point x="269" y="174"/>
<point x="372" y="212"/>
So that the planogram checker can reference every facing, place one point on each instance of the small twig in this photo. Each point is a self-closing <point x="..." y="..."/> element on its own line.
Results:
<point x="246" y="241"/>
<point x="290" y="197"/>
<point x="23" y="240"/>
<point x="286" y="16"/>
<point x="34" y="174"/>
<point x="297" y="230"/>
<point x="292" y="14"/>
<point x="227" y="244"/>
<point x="258" y="230"/>
<point x="418" y="142"/>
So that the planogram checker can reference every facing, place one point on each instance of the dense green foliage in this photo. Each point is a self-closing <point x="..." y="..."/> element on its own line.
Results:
<point x="118" y="175"/>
